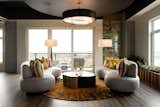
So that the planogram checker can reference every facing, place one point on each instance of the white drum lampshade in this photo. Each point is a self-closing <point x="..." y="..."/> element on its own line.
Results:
<point x="50" y="43"/>
<point x="105" y="43"/>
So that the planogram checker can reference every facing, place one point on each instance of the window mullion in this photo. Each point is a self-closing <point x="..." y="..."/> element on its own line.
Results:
<point x="72" y="53"/>
<point x="156" y="31"/>
<point x="152" y="48"/>
<point x="153" y="32"/>
<point x="2" y="47"/>
<point x="49" y="37"/>
<point x="152" y="43"/>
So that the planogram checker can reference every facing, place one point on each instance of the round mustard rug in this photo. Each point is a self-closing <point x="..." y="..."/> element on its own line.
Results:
<point x="79" y="94"/>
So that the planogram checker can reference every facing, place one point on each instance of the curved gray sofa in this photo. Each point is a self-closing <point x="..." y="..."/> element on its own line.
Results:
<point x="102" y="71"/>
<point x="31" y="84"/>
<point x="123" y="84"/>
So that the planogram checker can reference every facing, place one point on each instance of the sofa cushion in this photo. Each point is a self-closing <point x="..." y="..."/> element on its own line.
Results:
<point x="111" y="62"/>
<point x="32" y="65"/>
<point x="130" y="69"/>
<point x="56" y="72"/>
<point x="27" y="72"/>
<point x="100" y="73"/>
<point x="121" y="68"/>
<point x="44" y="61"/>
<point x="38" y="68"/>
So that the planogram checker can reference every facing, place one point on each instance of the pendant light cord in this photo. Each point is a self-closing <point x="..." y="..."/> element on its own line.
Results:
<point x="79" y="3"/>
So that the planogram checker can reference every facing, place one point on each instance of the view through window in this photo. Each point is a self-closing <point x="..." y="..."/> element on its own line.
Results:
<point x="37" y="47"/>
<point x="72" y="43"/>
<point x="62" y="52"/>
<point x="155" y="42"/>
<point x="83" y="46"/>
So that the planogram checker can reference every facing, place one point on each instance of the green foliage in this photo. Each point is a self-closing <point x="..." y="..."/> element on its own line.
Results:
<point x="140" y="61"/>
<point x="151" y="68"/>
<point x="144" y="64"/>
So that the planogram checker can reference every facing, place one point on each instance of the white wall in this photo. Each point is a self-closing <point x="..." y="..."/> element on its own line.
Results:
<point x="22" y="42"/>
<point x="142" y="32"/>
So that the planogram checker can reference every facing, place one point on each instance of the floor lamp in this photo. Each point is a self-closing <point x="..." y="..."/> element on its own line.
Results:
<point x="51" y="43"/>
<point x="105" y="43"/>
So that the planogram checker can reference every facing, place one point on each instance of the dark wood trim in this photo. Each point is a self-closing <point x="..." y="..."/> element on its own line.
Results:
<point x="149" y="77"/>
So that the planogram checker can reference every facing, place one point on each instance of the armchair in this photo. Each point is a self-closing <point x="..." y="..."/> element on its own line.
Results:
<point x="128" y="83"/>
<point x="31" y="84"/>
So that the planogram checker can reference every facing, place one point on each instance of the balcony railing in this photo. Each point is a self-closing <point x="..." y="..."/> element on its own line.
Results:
<point x="66" y="59"/>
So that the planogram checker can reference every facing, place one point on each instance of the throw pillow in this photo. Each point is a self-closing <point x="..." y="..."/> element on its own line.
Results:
<point x="101" y="73"/>
<point x="44" y="62"/>
<point x="56" y="72"/>
<point x="27" y="72"/>
<point x="32" y="65"/>
<point x="38" y="68"/>
<point x="116" y="63"/>
<point x="121" y="69"/>
<point x="111" y="63"/>
<point x="130" y="69"/>
<point x="49" y="62"/>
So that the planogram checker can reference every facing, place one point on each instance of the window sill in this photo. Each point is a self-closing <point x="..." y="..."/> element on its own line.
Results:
<point x="151" y="68"/>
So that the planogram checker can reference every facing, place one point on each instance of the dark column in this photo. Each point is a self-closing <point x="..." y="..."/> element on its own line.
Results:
<point x="10" y="47"/>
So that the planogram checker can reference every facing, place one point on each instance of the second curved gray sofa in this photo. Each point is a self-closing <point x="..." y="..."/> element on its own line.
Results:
<point x="37" y="85"/>
<point x="123" y="84"/>
<point x="31" y="84"/>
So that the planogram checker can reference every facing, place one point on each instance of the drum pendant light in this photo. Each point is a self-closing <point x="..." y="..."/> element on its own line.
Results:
<point x="79" y="16"/>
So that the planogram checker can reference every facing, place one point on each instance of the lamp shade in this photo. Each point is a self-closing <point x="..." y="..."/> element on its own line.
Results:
<point x="79" y="16"/>
<point x="50" y="43"/>
<point x="105" y="43"/>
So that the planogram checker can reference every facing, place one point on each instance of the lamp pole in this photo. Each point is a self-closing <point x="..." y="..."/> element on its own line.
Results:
<point x="51" y="56"/>
<point x="50" y="43"/>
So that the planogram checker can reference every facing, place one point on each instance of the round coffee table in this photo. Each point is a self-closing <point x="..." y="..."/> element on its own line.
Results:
<point x="80" y="79"/>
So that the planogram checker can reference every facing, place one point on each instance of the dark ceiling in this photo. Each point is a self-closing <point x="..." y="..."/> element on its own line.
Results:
<point x="57" y="7"/>
<point x="11" y="9"/>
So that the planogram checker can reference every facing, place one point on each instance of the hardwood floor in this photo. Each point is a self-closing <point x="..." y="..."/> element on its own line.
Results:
<point x="12" y="96"/>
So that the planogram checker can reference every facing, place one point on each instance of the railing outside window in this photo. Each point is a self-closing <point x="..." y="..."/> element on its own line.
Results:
<point x="65" y="59"/>
<point x="72" y="43"/>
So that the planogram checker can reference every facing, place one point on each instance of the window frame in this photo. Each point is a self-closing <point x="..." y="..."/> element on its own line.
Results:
<point x="72" y="43"/>
<point x="152" y="32"/>
<point x="70" y="28"/>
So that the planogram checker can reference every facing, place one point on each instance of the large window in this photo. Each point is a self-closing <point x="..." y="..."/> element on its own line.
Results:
<point x="37" y="47"/>
<point x="75" y="43"/>
<point x="72" y="43"/>
<point x="83" y="46"/>
<point x="62" y="52"/>
<point x="63" y="36"/>
<point x="1" y="45"/>
<point x="155" y="42"/>
<point x="82" y="41"/>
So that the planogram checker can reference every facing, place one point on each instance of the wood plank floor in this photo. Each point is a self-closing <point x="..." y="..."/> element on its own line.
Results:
<point x="12" y="96"/>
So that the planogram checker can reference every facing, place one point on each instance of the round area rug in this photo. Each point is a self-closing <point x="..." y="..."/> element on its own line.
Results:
<point x="79" y="94"/>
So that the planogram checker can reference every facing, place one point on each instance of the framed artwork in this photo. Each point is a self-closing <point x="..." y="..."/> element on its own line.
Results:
<point x="112" y="30"/>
